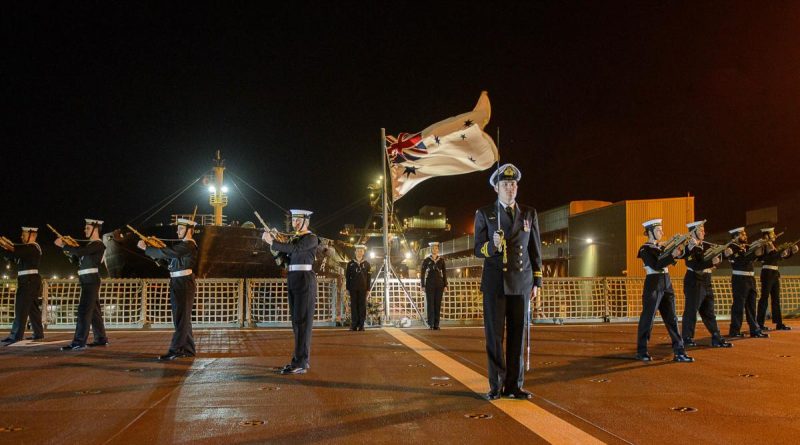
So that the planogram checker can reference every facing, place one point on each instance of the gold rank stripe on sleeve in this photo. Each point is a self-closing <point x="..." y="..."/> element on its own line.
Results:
<point x="537" y="274"/>
<point x="485" y="249"/>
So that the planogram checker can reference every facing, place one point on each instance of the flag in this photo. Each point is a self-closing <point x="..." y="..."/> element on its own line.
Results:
<point x="453" y="146"/>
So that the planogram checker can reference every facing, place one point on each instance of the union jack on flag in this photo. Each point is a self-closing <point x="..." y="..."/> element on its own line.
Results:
<point x="453" y="146"/>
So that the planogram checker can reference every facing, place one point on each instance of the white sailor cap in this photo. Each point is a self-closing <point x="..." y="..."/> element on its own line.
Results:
<point x="768" y="230"/>
<point x="736" y="230"/>
<point x="506" y="172"/>
<point x="433" y="243"/>
<point x="360" y="246"/>
<point x="696" y="224"/>
<point x="186" y="222"/>
<point x="93" y="222"/>
<point x="30" y="229"/>
<point x="652" y="223"/>
<point x="297" y="213"/>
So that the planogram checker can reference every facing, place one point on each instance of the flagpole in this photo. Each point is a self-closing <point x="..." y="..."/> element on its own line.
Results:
<point x="386" y="269"/>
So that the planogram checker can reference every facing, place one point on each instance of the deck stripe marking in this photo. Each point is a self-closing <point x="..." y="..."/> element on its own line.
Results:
<point x="541" y="422"/>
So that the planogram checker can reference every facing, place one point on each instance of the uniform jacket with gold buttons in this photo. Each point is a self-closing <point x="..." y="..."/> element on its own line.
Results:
<point x="523" y="268"/>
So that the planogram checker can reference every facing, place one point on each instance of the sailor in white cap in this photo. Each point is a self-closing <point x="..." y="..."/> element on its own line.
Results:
<point x="743" y="284"/>
<point x="302" y="285"/>
<point x="28" y="299"/>
<point x="697" y="288"/>
<point x="658" y="293"/>
<point x="89" y="257"/>
<point x="182" y="258"/>
<point x="507" y="238"/>
<point x="433" y="279"/>
<point x="771" y="279"/>
<point x="357" y="281"/>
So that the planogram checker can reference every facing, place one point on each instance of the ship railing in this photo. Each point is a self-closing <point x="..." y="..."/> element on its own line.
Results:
<point x="232" y="303"/>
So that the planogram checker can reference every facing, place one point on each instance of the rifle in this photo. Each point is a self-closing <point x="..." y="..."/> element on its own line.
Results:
<point x="148" y="240"/>
<point x="677" y="241"/>
<point x="787" y="245"/>
<point x="282" y="237"/>
<point x="715" y="250"/>
<point x="68" y="240"/>
<point x="759" y="243"/>
<point x="6" y="243"/>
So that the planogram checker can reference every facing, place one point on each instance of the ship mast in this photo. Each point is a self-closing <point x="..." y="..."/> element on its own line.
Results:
<point x="219" y="193"/>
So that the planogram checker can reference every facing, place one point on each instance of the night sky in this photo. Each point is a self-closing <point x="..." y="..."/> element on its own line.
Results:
<point x="108" y="109"/>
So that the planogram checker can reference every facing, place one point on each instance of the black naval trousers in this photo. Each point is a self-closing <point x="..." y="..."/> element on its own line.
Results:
<point x="89" y="314"/>
<point x="28" y="305"/>
<point x="744" y="300"/>
<point x="770" y="292"/>
<point x="182" y="291"/>
<point x="302" y="302"/>
<point x="433" y="304"/>
<point x="358" y="308"/>
<point x="699" y="297"/>
<point x="506" y="373"/>
<point x="658" y="294"/>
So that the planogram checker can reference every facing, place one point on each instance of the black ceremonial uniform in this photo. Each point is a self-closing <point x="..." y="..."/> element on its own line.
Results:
<point x="699" y="295"/>
<point x="506" y="288"/>
<point x="28" y="299"/>
<point x="743" y="288"/>
<point x="302" y="284"/>
<point x="771" y="287"/>
<point x="357" y="278"/>
<point x="182" y="259"/>
<point x="433" y="278"/>
<point x="657" y="294"/>
<point x="90" y="256"/>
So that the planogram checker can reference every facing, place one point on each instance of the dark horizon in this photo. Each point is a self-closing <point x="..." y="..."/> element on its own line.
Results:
<point x="111" y="108"/>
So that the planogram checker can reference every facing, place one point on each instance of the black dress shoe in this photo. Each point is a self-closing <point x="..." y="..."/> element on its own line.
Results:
<point x="644" y="357"/>
<point x="783" y="327"/>
<point x="493" y="394"/>
<point x="360" y="328"/>
<point x="683" y="358"/>
<point x="764" y="328"/>
<point x="759" y="334"/>
<point x="293" y="370"/>
<point x="34" y="338"/>
<point x="73" y="347"/>
<point x="436" y="328"/>
<point x="518" y="394"/>
<point x="171" y="356"/>
<point x="720" y="343"/>
<point x="97" y="343"/>
<point x="736" y="334"/>
<point x="689" y="342"/>
<point x="353" y="328"/>
<point x="8" y="341"/>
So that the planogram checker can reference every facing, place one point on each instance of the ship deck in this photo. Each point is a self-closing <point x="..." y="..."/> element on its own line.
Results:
<point x="398" y="386"/>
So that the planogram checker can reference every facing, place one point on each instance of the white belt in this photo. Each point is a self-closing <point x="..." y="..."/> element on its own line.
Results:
<point x="701" y="271"/>
<point x="27" y="272"/>
<point x="299" y="267"/>
<point x="767" y="266"/>
<point x="180" y="273"/>
<point x="651" y="271"/>
<point x="743" y="273"/>
<point x="88" y="271"/>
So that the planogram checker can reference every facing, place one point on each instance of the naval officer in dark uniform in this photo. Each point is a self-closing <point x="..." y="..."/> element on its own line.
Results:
<point x="771" y="280"/>
<point x="357" y="281"/>
<point x="433" y="278"/>
<point x="300" y="250"/>
<point x="89" y="257"/>
<point x="698" y="290"/>
<point x="182" y="258"/>
<point x="28" y="299"/>
<point x="743" y="285"/>
<point x="658" y="293"/>
<point x="512" y="276"/>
